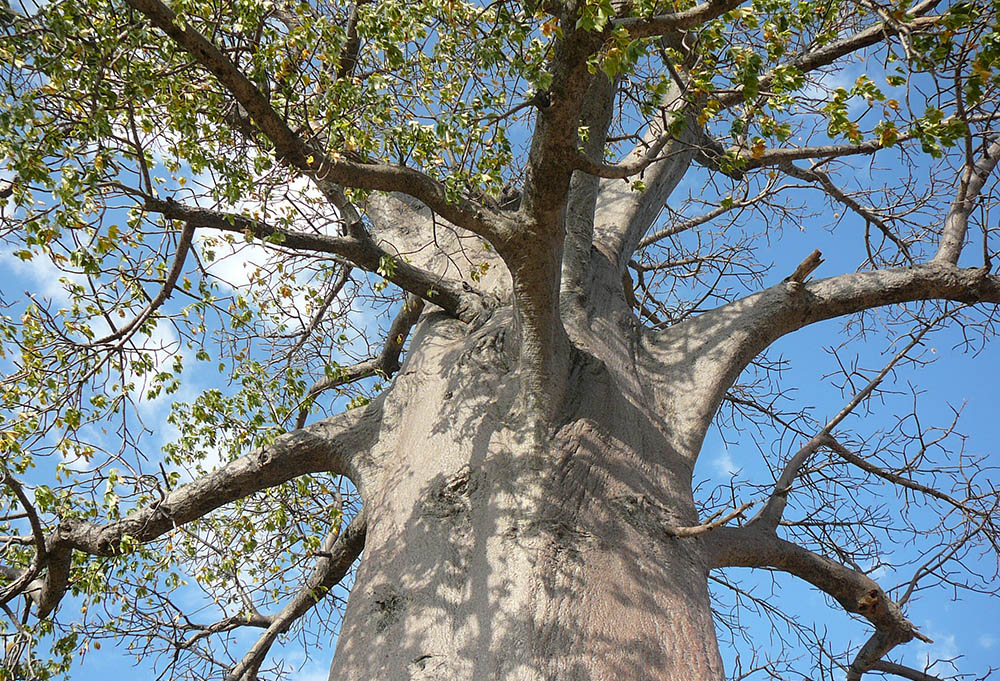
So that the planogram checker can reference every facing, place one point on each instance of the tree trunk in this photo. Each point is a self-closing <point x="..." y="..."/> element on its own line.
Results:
<point x="497" y="553"/>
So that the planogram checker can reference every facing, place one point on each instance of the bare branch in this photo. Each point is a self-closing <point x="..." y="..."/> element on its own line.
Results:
<point x="338" y="552"/>
<point x="714" y="522"/>
<point x="857" y="593"/>
<point x="903" y="671"/>
<point x="896" y="479"/>
<point x="771" y="514"/>
<point x="387" y="362"/>
<point x="691" y="223"/>
<point x="596" y="118"/>
<point x="957" y="222"/>
<point x="625" y="214"/>
<point x="358" y="248"/>
<point x="806" y="267"/>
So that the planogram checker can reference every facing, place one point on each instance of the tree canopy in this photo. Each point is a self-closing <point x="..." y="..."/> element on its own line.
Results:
<point x="230" y="215"/>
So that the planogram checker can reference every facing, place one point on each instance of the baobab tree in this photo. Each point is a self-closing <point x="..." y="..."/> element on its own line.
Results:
<point x="545" y="232"/>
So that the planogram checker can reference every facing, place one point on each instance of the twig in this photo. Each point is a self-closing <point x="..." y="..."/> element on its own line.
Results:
<point x="806" y="267"/>
<point x="712" y="523"/>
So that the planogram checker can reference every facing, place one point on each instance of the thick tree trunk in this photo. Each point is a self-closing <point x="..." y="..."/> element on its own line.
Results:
<point x="496" y="553"/>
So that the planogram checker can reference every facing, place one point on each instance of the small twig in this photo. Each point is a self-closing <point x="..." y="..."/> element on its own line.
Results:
<point x="712" y="523"/>
<point x="806" y="267"/>
<point x="183" y="246"/>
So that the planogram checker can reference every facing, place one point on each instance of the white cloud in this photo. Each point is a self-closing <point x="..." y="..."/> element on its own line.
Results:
<point x="724" y="465"/>
<point x="39" y="277"/>
<point x="987" y="641"/>
<point x="937" y="656"/>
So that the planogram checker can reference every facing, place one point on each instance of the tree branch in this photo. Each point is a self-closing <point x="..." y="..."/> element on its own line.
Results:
<point x="813" y="175"/>
<point x="386" y="363"/>
<point x="757" y="547"/>
<point x="957" y="223"/>
<point x="330" y="445"/>
<point x="624" y="214"/>
<point x="730" y="336"/>
<point x="829" y="53"/>
<point x="358" y="248"/>
<point x="639" y="27"/>
<point x="24" y="579"/>
<point x="180" y="255"/>
<point x="307" y="157"/>
<point x="896" y="479"/>
<point x="338" y="552"/>
<point x="713" y="523"/>
<point x="691" y="223"/>
<point x="900" y="670"/>
<point x="770" y="515"/>
<point x="596" y="118"/>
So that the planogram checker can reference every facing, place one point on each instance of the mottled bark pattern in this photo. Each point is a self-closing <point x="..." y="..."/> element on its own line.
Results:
<point x="492" y="554"/>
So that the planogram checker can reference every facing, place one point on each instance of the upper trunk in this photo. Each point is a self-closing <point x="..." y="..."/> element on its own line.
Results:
<point x="495" y="554"/>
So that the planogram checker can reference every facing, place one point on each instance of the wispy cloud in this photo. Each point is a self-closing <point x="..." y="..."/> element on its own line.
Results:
<point x="724" y="465"/>
<point x="938" y="657"/>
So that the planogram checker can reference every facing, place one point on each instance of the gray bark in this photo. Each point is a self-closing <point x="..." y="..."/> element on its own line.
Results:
<point x="491" y="554"/>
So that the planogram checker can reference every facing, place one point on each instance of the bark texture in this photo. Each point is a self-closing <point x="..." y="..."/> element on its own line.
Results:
<point x="493" y="554"/>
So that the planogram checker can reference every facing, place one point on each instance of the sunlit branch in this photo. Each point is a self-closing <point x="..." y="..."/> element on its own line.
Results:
<point x="358" y="248"/>
<point x="714" y="522"/>
<point x="626" y="214"/>
<point x="826" y="55"/>
<point x="957" y="223"/>
<point x="308" y="158"/>
<point x="596" y="117"/>
<point x="386" y="364"/>
<point x="337" y="553"/>
<point x="639" y="27"/>
<point x="757" y="547"/>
